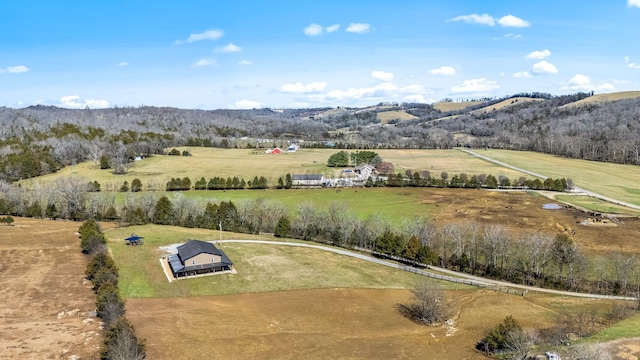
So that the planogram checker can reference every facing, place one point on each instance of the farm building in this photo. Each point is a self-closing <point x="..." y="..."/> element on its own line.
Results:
<point x="275" y="151"/>
<point x="364" y="170"/>
<point x="302" y="180"/>
<point x="198" y="257"/>
<point x="292" y="148"/>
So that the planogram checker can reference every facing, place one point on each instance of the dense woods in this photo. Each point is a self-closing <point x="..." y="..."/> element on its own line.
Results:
<point x="41" y="139"/>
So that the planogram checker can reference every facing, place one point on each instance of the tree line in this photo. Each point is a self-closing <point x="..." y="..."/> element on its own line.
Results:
<point x="120" y="339"/>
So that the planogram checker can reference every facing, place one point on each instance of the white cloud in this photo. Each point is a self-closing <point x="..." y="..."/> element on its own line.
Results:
<point x="523" y="74"/>
<point x="123" y="64"/>
<point x="544" y="67"/>
<point x="14" y="69"/>
<point x="76" y="102"/>
<point x="245" y="62"/>
<point x="299" y="88"/>
<point x="203" y="62"/>
<point x="359" y="28"/>
<point x="207" y="35"/>
<point x="538" y="55"/>
<point x="383" y="90"/>
<point x="413" y="89"/>
<point x="472" y="86"/>
<point x="484" y="19"/>
<point x="231" y="47"/>
<point x="246" y="104"/>
<point x="582" y="82"/>
<point x="381" y="75"/>
<point x="332" y="28"/>
<point x="298" y="105"/>
<point x="417" y="98"/>
<point x="315" y="29"/>
<point x="443" y="71"/>
<point x="631" y="3"/>
<point x="513" y="21"/>
<point x="630" y="64"/>
<point x="513" y="36"/>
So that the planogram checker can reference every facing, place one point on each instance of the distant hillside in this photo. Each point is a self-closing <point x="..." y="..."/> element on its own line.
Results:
<point x="600" y="98"/>
<point x="41" y="139"/>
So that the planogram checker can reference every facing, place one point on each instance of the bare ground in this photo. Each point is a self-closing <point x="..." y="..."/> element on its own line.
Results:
<point x="45" y="303"/>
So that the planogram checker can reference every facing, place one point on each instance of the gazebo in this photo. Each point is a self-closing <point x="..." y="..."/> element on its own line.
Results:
<point x="133" y="240"/>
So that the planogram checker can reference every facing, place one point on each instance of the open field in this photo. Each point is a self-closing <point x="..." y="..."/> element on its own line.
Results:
<point x="616" y="181"/>
<point x="329" y="323"/>
<point x="44" y="299"/>
<point x="247" y="163"/>
<point x="402" y="115"/>
<point x="261" y="268"/>
<point x="454" y="106"/>
<point x="600" y="98"/>
<point x="505" y="103"/>
<point x="594" y="204"/>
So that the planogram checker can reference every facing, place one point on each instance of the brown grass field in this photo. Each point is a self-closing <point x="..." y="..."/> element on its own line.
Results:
<point x="505" y="103"/>
<point x="387" y="116"/>
<point x="600" y="98"/>
<point x="247" y="163"/>
<point x="616" y="181"/>
<point x="322" y="324"/>
<point x="44" y="298"/>
<point x="454" y="106"/>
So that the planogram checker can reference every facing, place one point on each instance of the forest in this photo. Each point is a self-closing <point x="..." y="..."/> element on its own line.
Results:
<point x="38" y="140"/>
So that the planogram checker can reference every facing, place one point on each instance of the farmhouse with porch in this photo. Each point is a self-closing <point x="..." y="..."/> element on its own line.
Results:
<point x="198" y="257"/>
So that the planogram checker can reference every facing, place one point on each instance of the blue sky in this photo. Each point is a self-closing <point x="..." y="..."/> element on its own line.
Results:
<point x="245" y="54"/>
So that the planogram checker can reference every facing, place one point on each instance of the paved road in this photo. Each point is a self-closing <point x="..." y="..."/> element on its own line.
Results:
<point x="455" y="276"/>
<point x="577" y="189"/>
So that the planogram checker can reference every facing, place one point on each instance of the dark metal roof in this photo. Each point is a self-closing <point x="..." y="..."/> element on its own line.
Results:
<point x="194" y="247"/>
<point x="175" y="263"/>
<point x="307" y="177"/>
<point x="134" y="237"/>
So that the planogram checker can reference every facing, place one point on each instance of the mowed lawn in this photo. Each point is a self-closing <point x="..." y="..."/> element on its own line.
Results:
<point x="157" y="170"/>
<point x="260" y="267"/>
<point x="617" y="181"/>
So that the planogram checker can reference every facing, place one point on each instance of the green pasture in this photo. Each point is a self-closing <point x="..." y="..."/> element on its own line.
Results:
<point x="391" y="204"/>
<point x="616" y="181"/>
<point x="261" y="267"/>
<point x="597" y="205"/>
<point x="626" y="328"/>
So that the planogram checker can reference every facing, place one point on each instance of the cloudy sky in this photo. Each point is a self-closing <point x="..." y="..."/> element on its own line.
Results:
<point x="245" y="54"/>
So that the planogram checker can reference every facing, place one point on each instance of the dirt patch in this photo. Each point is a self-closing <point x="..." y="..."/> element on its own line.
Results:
<point x="45" y="300"/>
<point x="524" y="213"/>
<point x="625" y="349"/>
<point x="320" y="324"/>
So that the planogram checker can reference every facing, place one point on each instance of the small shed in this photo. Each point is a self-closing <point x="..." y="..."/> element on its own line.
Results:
<point x="133" y="240"/>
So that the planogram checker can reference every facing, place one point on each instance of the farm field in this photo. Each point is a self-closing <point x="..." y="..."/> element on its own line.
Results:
<point x="45" y="302"/>
<point x="261" y="268"/>
<point x="616" y="181"/>
<point x="247" y="163"/>
<point x="322" y="324"/>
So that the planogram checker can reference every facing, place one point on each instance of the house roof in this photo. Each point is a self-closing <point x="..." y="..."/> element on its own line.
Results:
<point x="307" y="177"/>
<point x="365" y="166"/>
<point x="196" y="247"/>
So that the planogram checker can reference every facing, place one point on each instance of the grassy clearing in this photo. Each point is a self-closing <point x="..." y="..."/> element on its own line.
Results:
<point x="621" y="95"/>
<point x="454" y="106"/>
<point x="596" y="205"/>
<point x="505" y="103"/>
<point x="261" y="268"/>
<point x="616" y="181"/>
<point x="624" y="329"/>
<point x="387" y="116"/>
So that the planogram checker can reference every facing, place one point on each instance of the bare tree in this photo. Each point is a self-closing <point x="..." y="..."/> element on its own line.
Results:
<point x="429" y="305"/>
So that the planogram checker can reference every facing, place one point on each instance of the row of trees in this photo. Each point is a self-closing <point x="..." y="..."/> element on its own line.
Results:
<point x="344" y="158"/>
<point x="120" y="340"/>
<point x="488" y="250"/>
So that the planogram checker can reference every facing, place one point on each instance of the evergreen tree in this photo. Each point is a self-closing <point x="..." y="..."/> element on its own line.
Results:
<point x="283" y="227"/>
<point x="163" y="213"/>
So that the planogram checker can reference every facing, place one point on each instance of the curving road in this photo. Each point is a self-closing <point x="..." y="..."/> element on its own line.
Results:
<point x="458" y="277"/>
<point x="577" y="189"/>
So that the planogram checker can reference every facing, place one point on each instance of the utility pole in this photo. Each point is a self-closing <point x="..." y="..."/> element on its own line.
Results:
<point x="220" y="226"/>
